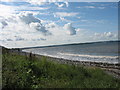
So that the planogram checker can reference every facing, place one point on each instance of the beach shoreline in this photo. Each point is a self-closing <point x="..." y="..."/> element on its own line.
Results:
<point x="112" y="68"/>
<point x="68" y="61"/>
<point x="109" y="68"/>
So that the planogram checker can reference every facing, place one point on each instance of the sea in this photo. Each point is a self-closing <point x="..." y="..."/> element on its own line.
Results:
<point x="106" y="52"/>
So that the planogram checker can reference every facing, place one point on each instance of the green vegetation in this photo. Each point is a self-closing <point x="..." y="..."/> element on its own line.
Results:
<point x="20" y="71"/>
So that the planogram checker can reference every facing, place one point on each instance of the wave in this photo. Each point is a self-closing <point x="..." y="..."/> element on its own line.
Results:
<point x="80" y="57"/>
<point x="90" y="56"/>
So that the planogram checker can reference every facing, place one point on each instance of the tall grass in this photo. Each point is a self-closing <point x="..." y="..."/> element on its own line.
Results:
<point x="23" y="72"/>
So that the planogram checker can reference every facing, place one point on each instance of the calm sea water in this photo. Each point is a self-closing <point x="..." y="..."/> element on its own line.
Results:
<point x="94" y="52"/>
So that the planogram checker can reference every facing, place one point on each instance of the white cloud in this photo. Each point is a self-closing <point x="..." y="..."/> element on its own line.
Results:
<point x="105" y="35"/>
<point x="83" y="20"/>
<point x="70" y="30"/>
<point x="56" y="30"/>
<point x="67" y="29"/>
<point x="39" y="27"/>
<point x="108" y="34"/>
<point x="3" y="24"/>
<point x="7" y="0"/>
<point x="87" y="7"/>
<point x="59" y="5"/>
<point x="67" y="4"/>
<point x="18" y="38"/>
<point x="51" y="25"/>
<point x="37" y="2"/>
<point x="26" y="27"/>
<point x="65" y="20"/>
<point x="22" y="27"/>
<point x="22" y="7"/>
<point x="34" y="34"/>
<point x="6" y="10"/>
<point x="91" y="7"/>
<point x="41" y="2"/>
<point x="79" y="17"/>
<point x="62" y="5"/>
<point x="28" y="18"/>
<point x="65" y="14"/>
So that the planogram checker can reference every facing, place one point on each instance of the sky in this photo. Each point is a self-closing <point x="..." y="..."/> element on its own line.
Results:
<point x="29" y="23"/>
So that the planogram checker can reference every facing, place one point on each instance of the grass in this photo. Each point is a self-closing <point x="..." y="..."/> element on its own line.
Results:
<point x="19" y="71"/>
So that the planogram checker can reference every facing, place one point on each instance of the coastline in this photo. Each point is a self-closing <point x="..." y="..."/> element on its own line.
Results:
<point x="110" y="68"/>
<point x="75" y="62"/>
<point x="21" y="69"/>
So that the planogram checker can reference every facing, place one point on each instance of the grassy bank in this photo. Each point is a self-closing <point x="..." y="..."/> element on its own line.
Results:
<point x="21" y="71"/>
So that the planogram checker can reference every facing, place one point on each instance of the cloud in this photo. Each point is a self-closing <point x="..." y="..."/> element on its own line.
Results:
<point x="65" y="20"/>
<point x="62" y="5"/>
<point x="70" y="30"/>
<point x="6" y="0"/>
<point x="86" y="7"/>
<point x="34" y="23"/>
<point x="17" y="24"/>
<point x="42" y="2"/>
<point x="22" y="27"/>
<point x="59" y="5"/>
<point x="28" y="18"/>
<point x="29" y="8"/>
<point x="67" y="4"/>
<point x="91" y="7"/>
<point x="51" y="25"/>
<point x="26" y="27"/>
<point x="105" y="35"/>
<point x="18" y="38"/>
<point x="79" y="17"/>
<point x="37" y="2"/>
<point x="67" y="29"/>
<point x="40" y="27"/>
<point x="39" y="39"/>
<point x="108" y="34"/>
<point x="65" y="14"/>
<point x="6" y="10"/>
<point x="3" y="24"/>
